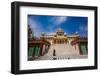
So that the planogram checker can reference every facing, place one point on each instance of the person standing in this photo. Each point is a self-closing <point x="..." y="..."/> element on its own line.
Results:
<point x="54" y="54"/>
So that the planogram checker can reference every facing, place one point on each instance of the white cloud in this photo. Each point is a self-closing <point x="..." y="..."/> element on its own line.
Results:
<point x="51" y="33"/>
<point x="50" y="27"/>
<point x="35" y="27"/>
<point x="60" y="20"/>
<point x="82" y="28"/>
<point x="56" y="21"/>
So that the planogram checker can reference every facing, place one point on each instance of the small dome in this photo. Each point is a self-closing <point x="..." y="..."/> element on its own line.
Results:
<point x="43" y="34"/>
<point x="65" y="33"/>
<point x="76" y="33"/>
<point x="60" y="30"/>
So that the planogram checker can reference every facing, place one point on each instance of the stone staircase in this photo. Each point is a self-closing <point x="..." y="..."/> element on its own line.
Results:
<point x="63" y="51"/>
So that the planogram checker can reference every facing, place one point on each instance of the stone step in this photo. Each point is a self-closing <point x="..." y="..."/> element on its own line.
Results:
<point x="62" y="49"/>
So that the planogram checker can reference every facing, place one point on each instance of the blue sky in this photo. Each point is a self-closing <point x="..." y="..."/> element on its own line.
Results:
<point x="49" y="24"/>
